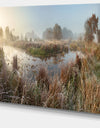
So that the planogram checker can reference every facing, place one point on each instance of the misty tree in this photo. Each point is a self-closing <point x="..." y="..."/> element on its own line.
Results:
<point x="26" y="38"/>
<point x="30" y="39"/>
<point x="17" y="37"/>
<point x="91" y="28"/>
<point x="11" y="36"/>
<point x="67" y="34"/>
<point x="98" y="36"/>
<point x="81" y="37"/>
<point x="1" y="33"/>
<point x="57" y="31"/>
<point x="48" y="34"/>
<point x="7" y="32"/>
<point x="31" y="35"/>
<point x="21" y="37"/>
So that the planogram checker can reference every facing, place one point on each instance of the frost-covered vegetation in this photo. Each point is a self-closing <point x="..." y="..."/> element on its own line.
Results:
<point x="77" y="87"/>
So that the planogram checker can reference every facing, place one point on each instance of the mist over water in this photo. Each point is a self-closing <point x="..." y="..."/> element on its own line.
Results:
<point x="29" y="66"/>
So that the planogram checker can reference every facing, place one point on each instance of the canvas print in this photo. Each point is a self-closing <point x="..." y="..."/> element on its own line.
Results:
<point x="50" y="56"/>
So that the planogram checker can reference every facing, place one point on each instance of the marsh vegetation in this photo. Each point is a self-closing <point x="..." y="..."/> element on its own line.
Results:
<point x="53" y="73"/>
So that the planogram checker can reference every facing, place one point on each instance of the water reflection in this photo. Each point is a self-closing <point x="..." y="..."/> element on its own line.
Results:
<point x="29" y="66"/>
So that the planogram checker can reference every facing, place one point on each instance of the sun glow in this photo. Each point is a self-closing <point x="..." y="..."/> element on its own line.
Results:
<point x="3" y="18"/>
<point x="10" y="17"/>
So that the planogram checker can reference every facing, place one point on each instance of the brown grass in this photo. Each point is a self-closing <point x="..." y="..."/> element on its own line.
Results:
<point x="42" y="78"/>
<point x="77" y="88"/>
<point x="15" y="63"/>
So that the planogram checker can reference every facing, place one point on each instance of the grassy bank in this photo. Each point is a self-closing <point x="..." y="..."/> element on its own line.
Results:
<point x="91" y="50"/>
<point x="46" y="51"/>
<point x="42" y="49"/>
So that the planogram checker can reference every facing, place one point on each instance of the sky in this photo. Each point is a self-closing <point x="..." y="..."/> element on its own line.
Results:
<point x="38" y="18"/>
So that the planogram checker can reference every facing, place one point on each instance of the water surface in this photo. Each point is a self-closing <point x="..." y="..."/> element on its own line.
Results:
<point x="29" y="65"/>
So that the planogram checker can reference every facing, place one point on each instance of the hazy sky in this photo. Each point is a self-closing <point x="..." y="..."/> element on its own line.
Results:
<point x="38" y="18"/>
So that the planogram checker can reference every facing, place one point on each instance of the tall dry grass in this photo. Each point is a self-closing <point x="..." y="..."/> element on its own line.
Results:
<point x="77" y="88"/>
<point x="15" y="63"/>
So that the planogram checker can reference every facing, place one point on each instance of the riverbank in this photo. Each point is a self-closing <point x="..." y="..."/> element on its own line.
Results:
<point x="42" y="49"/>
<point x="47" y="51"/>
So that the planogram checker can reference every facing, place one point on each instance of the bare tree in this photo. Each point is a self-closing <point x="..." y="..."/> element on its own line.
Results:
<point x="91" y="28"/>
<point x="1" y="33"/>
<point x="48" y="34"/>
<point x="67" y="34"/>
<point x="98" y="36"/>
<point x="7" y="32"/>
<point x="57" y="32"/>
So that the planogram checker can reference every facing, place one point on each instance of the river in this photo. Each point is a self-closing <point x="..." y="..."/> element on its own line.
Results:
<point x="29" y="65"/>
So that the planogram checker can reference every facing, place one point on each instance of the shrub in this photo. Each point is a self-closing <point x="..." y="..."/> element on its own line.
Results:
<point x="43" y="78"/>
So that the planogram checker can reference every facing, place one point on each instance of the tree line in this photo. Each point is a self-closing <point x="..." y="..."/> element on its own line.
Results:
<point x="8" y="34"/>
<point x="57" y="33"/>
<point x="91" y="29"/>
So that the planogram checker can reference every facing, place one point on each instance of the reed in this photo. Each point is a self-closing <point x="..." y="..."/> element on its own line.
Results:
<point x="15" y="63"/>
<point x="42" y="78"/>
<point x="77" y="87"/>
